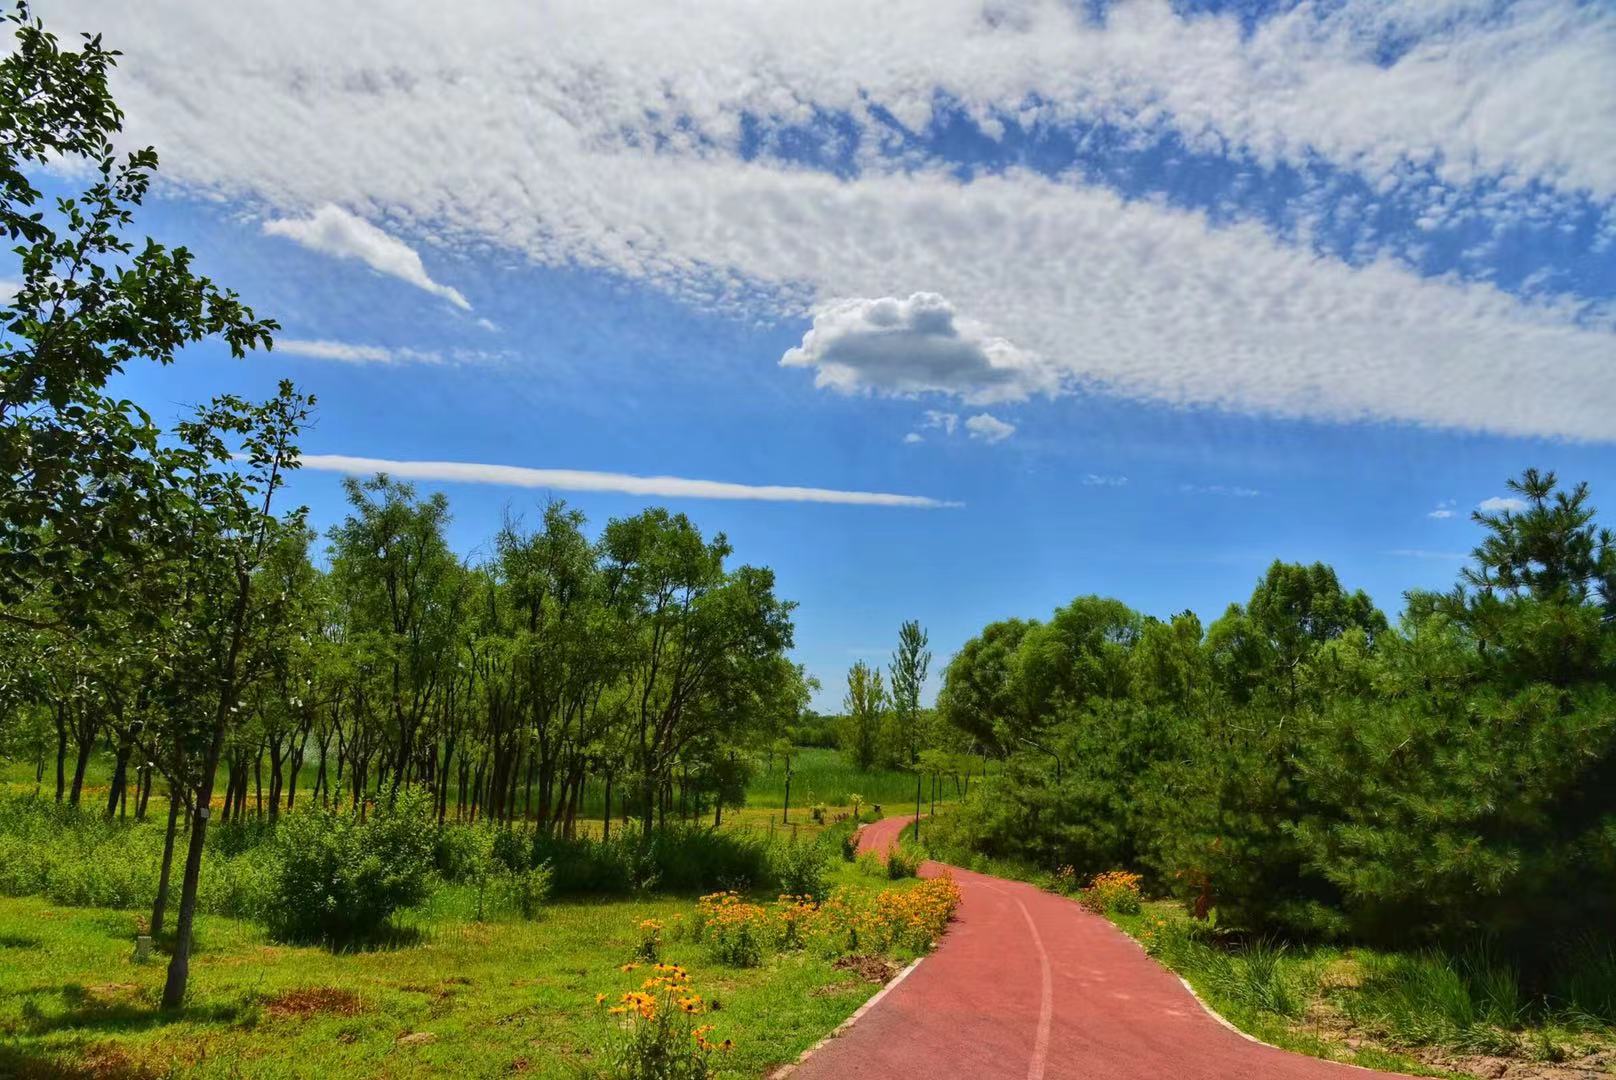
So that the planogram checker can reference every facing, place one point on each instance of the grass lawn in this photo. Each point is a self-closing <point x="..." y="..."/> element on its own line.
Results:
<point x="465" y="998"/>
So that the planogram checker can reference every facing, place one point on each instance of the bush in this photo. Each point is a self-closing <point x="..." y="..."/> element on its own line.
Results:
<point x="1115" y="892"/>
<point x="340" y="878"/>
<point x="733" y="929"/>
<point x="902" y="863"/>
<point x="678" y="859"/>
<point x="529" y="889"/>
<point x="798" y="868"/>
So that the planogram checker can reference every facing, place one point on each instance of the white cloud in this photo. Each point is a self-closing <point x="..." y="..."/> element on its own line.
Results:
<point x="347" y="353"/>
<point x="350" y="353"/>
<point x="1521" y="93"/>
<point x="333" y="231"/>
<point x="1501" y="503"/>
<point x="1096" y="480"/>
<point x="470" y="472"/>
<point x="613" y="148"/>
<point x="947" y="421"/>
<point x="1443" y="510"/>
<point x="9" y="288"/>
<point x="913" y="437"/>
<point x="989" y="428"/>
<point x="1229" y="490"/>
<point x="914" y="346"/>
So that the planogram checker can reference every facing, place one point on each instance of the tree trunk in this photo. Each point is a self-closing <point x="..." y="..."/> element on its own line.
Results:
<point x="160" y="905"/>
<point x="120" y="773"/>
<point x="606" y="815"/>
<point x="86" y="747"/>
<point x="61" y="752"/>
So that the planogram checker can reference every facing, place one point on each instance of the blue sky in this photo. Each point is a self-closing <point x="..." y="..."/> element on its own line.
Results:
<point x="1147" y="294"/>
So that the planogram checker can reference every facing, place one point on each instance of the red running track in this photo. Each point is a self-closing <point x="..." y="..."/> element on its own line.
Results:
<point x="1028" y="985"/>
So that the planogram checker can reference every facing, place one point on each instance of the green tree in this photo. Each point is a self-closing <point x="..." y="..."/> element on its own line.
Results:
<point x="910" y="662"/>
<point x="978" y="697"/>
<point x="89" y="497"/>
<point x="864" y="709"/>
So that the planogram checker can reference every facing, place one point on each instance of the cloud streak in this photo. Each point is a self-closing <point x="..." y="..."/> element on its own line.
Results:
<point x="673" y="487"/>
<point x="333" y="231"/>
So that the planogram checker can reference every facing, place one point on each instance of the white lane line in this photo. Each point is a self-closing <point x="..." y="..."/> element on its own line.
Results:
<point x="1046" y="1007"/>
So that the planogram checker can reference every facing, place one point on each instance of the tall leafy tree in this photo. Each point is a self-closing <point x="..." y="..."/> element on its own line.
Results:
<point x="911" y="661"/>
<point x="864" y="709"/>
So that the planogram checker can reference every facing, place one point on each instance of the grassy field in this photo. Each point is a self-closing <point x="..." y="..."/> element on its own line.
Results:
<point x="472" y="999"/>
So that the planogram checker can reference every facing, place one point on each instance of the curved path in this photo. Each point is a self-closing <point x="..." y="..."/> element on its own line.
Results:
<point x="1027" y="985"/>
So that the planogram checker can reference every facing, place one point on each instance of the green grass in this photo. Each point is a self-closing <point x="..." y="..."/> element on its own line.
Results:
<point x="820" y="775"/>
<point x="495" y="997"/>
<point x="1393" y="1005"/>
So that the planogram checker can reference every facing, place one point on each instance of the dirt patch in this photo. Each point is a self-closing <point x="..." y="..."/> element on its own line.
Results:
<point x="1592" y="1066"/>
<point x="416" y="1038"/>
<point x="832" y="989"/>
<point x="312" y="1000"/>
<point x="876" y="969"/>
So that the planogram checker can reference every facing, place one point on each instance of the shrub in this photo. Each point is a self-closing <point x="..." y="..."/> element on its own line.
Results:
<point x="733" y="929"/>
<point x="902" y="864"/>
<point x="657" y="1031"/>
<point x="1115" y="892"/>
<point x="340" y="878"/>
<point x="529" y="889"/>
<point x="793" y="914"/>
<point x="798" y="868"/>
<point x="678" y="859"/>
<point x="868" y="862"/>
<point x="1063" y="880"/>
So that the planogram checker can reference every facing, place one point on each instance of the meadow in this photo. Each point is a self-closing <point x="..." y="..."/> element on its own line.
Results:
<point x="461" y="979"/>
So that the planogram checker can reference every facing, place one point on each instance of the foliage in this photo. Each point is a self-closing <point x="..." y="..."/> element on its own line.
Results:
<point x="798" y="867"/>
<point x="733" y="930"/>
<point x="657" y="1032"/>
<point x="340" y="877"/>
<point x="902" y="863"/>
<point x="1304" y="768"/>
<point x="1113" y="892"/>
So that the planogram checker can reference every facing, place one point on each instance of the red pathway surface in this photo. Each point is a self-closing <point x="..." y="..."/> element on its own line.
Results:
<point x="1029" y="985"/>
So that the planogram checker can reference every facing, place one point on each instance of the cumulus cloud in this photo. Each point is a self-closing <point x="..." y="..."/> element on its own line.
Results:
<point x="673" y="487"/>
<point x="989" y="428"/>
<point x="916" y="345"/>
<point x="612" y="150"/>
<point x="1443" y="510"/>
<point x="1499" y="504"/>
<point x="913" y="437"/>
<point x="947" y="421"/>
<point x="1097" y="480"/>
<point x="8" y="289"/>
<point x="333" y="231"/>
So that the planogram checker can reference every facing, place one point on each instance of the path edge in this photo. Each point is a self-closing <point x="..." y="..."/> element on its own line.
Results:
<point x="840" y="1029"/>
